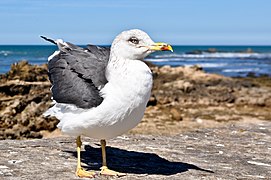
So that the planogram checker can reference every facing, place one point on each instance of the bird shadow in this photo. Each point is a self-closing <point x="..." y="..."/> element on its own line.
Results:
<point x="133" y="162"/>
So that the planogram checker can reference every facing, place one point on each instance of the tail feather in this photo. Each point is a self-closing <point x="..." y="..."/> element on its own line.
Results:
<point x="48" y="39"/>
<point x="62" y="46"/>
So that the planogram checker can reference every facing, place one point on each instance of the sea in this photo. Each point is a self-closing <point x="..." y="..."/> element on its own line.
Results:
<point x="232" y="61"/>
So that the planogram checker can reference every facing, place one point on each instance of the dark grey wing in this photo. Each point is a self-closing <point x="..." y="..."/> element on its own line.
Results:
<point x="77" y="74"/>
<point x="101" y="55"/>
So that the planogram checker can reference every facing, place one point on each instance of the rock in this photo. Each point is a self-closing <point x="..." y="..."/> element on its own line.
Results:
<point x="212" y="50"/>
<point x="26" y="72"/>
<point x="209" y="98"/>
<point x="180" y="85"/>
<point x="234" y="151"/>
<point x="176" y="114"/>
<point x="195" y="52"/>
<point x="24" y="96"/>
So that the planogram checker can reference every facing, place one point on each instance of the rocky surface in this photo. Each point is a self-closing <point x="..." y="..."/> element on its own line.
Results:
<point x="183" y="99"/>
<point x="236" y="151"/>
<point x="24" y="96"/>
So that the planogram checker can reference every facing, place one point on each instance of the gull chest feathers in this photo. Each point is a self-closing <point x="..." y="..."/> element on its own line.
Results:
<point x="127" y="91"/>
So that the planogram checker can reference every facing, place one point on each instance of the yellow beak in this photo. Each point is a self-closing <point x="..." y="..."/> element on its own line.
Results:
<point x="161" y="47"/>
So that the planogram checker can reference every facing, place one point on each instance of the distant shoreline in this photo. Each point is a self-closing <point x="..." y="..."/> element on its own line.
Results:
<point x="230" y="61"/>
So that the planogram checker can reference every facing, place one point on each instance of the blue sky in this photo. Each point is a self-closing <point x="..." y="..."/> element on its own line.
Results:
<point x="183" y="22"/>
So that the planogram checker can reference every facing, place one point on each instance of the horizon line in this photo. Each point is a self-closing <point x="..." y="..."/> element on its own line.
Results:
<point x="170" y="44"/>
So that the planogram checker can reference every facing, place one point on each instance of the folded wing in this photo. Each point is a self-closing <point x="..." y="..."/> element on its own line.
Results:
<point x="77" y="74"/>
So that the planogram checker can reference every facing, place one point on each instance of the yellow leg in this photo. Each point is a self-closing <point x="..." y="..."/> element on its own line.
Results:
<point x="80" y="172"/>
<point x="104" y="168"/>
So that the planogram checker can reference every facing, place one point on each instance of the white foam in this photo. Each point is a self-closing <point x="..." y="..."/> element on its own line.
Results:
<point x="158" y="60"/>
<point x="5" y="53"/>
<point x="212" y="65"/>
<point x="241" y="70"/>
<point x="227" y="55"/>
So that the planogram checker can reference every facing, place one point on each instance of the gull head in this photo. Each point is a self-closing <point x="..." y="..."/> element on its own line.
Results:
<point x="135" y="44"/>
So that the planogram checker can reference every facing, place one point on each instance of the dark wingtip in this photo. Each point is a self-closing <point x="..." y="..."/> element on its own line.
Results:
<point x="47" y="39"/>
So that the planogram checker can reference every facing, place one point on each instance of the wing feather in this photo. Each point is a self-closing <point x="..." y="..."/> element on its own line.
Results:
<point x="77" y="74"/>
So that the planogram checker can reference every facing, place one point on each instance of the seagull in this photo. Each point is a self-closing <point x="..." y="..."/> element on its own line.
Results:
<point x="101" y="92"/>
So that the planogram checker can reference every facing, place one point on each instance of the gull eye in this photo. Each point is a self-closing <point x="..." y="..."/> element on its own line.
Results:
<point x="133" y="40"/>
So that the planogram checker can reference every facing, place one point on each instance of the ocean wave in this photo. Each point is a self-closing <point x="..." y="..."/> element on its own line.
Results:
<point x="222" y="55"/>
<point x="5" y="53"/>
<point x="161" y="60"/>
<point x="13" y="53"/>
<point x="212" y="65"/>
<point x="242" y="70"/>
